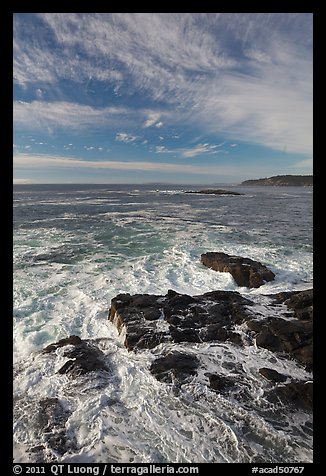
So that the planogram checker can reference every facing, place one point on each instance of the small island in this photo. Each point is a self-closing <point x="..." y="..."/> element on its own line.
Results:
<point x="214" y="192"/>
<point x="283" y="180"/>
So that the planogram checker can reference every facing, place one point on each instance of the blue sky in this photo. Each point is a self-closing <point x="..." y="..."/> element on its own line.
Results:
<point x="157" y="97"/>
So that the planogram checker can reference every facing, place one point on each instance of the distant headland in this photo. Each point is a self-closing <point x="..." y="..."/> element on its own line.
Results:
<point x="283" y="180"/>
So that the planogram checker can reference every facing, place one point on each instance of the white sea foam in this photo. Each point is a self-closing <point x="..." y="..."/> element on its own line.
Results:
<point x="134" y="418"/>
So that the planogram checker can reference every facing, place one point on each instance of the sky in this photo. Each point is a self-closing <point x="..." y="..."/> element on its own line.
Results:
<point x="156" y="97"/>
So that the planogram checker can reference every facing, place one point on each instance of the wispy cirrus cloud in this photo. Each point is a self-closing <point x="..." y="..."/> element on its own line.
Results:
<point x="38" y="115"/>
<point x="190" y="152"/>
<point x="63" y="114"/>
<point x="247" y="76"/>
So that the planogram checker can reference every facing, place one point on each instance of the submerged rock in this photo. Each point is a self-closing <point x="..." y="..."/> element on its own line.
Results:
<point x="51" y="417"/>
<point x="220" y="383"/>
<point x="174" y="366"/>
<point x="245" y="271"/>
<point x="272" y="375"/>
<point x="295" y="393"/>
<point x="51" y="413"/>
<point x="210" y="191"/>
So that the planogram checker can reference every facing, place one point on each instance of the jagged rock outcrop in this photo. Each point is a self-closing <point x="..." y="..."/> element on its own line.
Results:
<point x="300" y="302"/>
<point x="287" y="336"/>
<point x="292" y="336"/>
<point x="149" y="320"/>
<point x="245" y="271"/>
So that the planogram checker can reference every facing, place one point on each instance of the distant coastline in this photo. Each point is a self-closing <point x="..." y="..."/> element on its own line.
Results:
<point x="283" y="180"/>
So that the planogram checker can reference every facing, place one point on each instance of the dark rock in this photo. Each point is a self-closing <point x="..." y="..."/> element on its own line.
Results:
<point x="184" y="335"/>
<point x="36" y="449"/>
<point x="212" y="317"/>
<point x="174" y="366"/>
<point x="293" y="337"/>
<point x="295" y="393"/>
<point x="204" y="318"/>
<point x="272" y="375"/>
<point x="84" y="357"/>
<point x="51" y="418"/>
<point x="71" y="340"/>
<point x="138" y="314"/>
<point x="214" y="192"/>
<point x="254" y="325"/>
<point x="50" y="414"/>
<point x="245" y="271"/>
<point x="220" y="383"/>
<point x="147" y="340"/>
<point x="300" y="302"/>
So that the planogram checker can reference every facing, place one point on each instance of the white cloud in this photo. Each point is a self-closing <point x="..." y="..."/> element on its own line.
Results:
<point x="47" y="161"/>
<point x="41" y="162"/>
<point x="161" y="149"/>
<point x="305" y="164"/>
<point x="153" y="120"/>
<point x="258" y="55"/>
<point x="19" y="181"/>
<point x="124" y="137"/>
<point x="233" y="145"/>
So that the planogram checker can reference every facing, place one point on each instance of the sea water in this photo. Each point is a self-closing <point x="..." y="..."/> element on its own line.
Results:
<point x="78" y="246"/>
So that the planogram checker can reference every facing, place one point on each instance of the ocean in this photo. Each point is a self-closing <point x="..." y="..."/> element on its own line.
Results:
<point x="78" y="246"/>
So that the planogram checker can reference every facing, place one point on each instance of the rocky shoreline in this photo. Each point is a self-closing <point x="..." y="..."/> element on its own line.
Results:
<point x="218" y="316"/>
<point x="146" y="321"/>
<point x="180" y="332"/>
